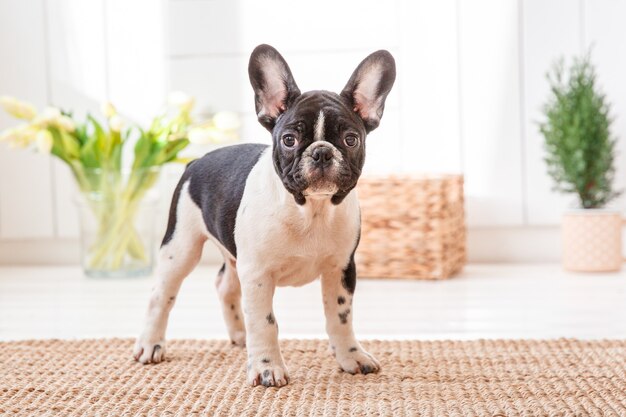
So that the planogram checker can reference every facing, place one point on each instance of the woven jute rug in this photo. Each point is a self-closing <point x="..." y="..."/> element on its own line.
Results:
<point x="477" y="378"/>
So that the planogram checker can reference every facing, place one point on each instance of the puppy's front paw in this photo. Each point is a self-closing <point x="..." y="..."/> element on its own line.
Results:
<point x="148" y="351"/>
<point x="355" y="360"/>
<point x="267" y="372"/>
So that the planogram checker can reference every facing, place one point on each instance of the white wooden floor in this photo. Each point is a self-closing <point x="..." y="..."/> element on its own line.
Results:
<point x="486" y="301"/>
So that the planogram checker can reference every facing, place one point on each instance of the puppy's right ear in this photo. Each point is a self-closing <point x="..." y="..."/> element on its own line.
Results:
<point x="275" y="90"/>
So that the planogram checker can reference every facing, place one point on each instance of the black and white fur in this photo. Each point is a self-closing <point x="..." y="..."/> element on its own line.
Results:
<point x="280" y="215"/>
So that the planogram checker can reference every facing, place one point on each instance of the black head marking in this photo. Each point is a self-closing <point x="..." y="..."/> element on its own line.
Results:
<point x="296" y="165"/>
<point x="294" y="120"/>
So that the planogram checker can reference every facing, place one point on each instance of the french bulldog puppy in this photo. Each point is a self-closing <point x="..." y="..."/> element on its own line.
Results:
<point x="281" y="215"/>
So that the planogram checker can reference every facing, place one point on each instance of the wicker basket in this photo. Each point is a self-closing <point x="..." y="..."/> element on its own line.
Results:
<point x="411" y="227"/>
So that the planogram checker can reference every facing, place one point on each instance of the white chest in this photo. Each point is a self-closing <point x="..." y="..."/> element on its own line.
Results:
<point x="309" y="242"/>
<point x="290" y="243"/>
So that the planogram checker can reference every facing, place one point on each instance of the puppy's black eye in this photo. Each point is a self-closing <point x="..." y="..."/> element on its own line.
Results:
<point x="289" y="141"/>
<point x="351" y="141"/>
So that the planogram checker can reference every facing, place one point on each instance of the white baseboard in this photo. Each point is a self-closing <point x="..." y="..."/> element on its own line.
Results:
<point x="521" y="244"/>
<point x="515" y="244"/>
<point x="62" y="252"/>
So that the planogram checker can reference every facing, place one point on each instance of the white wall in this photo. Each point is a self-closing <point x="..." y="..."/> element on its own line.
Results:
<point x="471" y="81"/>
<point x="73" y="54"/>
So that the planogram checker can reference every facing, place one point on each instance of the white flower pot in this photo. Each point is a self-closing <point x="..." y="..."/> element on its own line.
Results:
<point x="592" y="240"/>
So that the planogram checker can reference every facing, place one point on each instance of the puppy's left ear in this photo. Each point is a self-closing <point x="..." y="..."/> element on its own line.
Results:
<point x="369" y="85"/>
<point x="275" y="90"/>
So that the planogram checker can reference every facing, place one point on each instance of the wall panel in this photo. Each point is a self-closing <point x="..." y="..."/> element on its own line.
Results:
<point x="78" y="82"/>
<point x="428" y="86"/>
<point x="490" y="111"/>
<point x="551" y="29"/>
<point x="605" y="33"/>
<point x="224" y="27"/>
<point x="77" y="54"/>
<point x="26" y="209"/>
<point x="136" y="61"/>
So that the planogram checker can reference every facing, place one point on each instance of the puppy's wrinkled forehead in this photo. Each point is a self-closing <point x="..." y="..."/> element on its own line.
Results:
<point x="320" y="115"/>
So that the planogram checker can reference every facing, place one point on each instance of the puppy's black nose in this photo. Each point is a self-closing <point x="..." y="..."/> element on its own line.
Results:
<point x="322" y="156"/>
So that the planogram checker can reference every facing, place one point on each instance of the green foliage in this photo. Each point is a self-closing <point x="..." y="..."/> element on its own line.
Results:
<point x="113" y="189"/>
<point x="577" y="129"/>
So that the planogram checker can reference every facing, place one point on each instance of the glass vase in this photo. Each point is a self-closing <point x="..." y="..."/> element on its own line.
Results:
<point x="117" y="212"/>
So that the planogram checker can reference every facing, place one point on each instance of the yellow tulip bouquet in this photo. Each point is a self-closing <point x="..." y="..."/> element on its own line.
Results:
<point x="115" y="167"/>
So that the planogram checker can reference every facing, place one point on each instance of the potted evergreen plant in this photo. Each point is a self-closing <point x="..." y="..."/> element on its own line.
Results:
<point x="580" y="152"/>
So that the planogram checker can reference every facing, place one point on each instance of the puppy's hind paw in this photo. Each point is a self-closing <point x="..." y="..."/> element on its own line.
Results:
<point x="238" y="338"/>
<point x="149" y="352"/>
